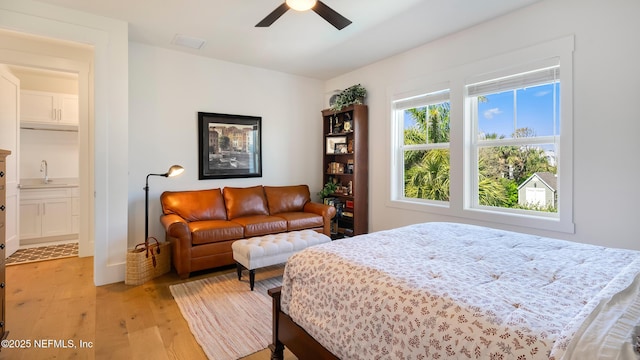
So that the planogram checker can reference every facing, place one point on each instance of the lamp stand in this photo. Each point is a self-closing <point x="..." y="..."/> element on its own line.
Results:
<point x="173" y="171"/>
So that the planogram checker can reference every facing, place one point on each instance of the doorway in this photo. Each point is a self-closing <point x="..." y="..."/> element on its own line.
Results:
<point x="48" y="153"/>
<point x="47" y="55"/>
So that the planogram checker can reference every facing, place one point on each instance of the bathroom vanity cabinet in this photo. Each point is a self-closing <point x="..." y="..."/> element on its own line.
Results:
<point x="50" y="213"/>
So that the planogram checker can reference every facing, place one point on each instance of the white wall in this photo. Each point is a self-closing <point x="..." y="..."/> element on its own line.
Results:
<point x="58" y="148"/>
<point x="167" y="90"/>
<point x="606" y="124"/>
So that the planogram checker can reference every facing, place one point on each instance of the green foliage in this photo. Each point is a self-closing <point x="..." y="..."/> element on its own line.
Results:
<point x="501" y="169"/>
<point x="351" y="95"/>
<point x="536" y="207"/>
<point x="427" y="172"/>
<point x="491" y="192"/>
<point x="328" y="189"/>
<point x="429" y="178"/>
<point x="436" y="125"/>
<point x="511" y="190"/>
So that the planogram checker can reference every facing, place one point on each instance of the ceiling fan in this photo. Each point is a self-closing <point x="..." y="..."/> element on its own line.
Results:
<point x="327" y="13"/>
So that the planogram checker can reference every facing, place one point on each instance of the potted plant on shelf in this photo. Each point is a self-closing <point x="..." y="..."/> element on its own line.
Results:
<point x="328" y="189"/>
<point x="351" y="95"/>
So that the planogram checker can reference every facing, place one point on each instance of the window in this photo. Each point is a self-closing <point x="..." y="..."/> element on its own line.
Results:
<point x="490" y="141"/>
<point x="424" y="125"/>
<point x="515" y="121"/>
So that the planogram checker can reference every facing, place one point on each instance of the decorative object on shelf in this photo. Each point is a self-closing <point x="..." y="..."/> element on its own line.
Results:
<point x="332" y="141"/>
<point x="349" y="96"/>
<point x="349" y="168"/>
<point x="173" y="171"/>
<point x="335" y="168"/>
<point x="340" y="148"/>
<point x="229" y="146"/>
<point x="328" y="189"/>
<point x="346" y="127"/>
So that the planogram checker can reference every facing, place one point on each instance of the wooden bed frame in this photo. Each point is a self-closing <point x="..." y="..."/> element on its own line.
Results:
<point x="287" y="333"/>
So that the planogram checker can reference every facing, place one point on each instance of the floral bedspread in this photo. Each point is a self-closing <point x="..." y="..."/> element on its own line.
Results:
<point x="451" y="291"/>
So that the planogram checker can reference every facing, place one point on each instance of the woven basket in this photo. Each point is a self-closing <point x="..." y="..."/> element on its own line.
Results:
<point x="146" y="261"/>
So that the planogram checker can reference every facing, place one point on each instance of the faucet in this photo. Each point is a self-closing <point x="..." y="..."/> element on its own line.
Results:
<point x="45" y="169"/>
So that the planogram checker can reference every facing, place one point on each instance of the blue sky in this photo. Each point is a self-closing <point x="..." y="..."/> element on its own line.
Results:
<point x="535" y="110"/>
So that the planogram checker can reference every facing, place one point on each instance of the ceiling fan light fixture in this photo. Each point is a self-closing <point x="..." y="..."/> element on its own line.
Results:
<point x="301" y="5"/>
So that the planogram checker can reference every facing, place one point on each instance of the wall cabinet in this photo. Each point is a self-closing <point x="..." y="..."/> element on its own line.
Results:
<point x="46" y="213"/>
<point x="42" y="107"/>
<point x="346" y="164"/>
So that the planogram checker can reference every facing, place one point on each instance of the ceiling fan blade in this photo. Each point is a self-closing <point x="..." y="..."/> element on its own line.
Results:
<point x="327" y="13"/>
<point x="275" y="15"/>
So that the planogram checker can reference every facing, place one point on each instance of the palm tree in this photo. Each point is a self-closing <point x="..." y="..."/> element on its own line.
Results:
<point x="427" y="171"/>
<point x="429" y="179"/>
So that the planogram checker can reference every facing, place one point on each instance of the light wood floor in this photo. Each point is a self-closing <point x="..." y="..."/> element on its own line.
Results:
<point x="55" y="302"/>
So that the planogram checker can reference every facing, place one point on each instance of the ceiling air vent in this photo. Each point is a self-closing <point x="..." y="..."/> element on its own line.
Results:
<point x="188" y="41"/>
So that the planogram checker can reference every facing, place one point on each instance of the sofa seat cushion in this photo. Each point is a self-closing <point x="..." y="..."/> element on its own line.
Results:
<point x="301" y="220"/>
<point x="209" y="231"/>
<point x="257" y="225"/>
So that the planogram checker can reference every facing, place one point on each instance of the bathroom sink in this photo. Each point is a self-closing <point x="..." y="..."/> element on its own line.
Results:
<point x="51" y="183"/>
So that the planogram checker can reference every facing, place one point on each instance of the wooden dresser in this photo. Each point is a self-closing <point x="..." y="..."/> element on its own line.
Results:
<point x="3" y="207"/>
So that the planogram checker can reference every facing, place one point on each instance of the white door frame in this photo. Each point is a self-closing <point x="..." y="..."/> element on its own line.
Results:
<point x="86" y="242"/>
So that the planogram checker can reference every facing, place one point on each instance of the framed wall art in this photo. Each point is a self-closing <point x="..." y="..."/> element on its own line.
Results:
<point x="229" y="146"/>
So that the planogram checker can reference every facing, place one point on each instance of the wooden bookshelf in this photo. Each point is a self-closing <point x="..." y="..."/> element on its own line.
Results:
<point x="346" y="163"/>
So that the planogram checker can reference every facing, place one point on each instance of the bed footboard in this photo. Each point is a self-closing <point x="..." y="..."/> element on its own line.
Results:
<point x="287" y="333"/>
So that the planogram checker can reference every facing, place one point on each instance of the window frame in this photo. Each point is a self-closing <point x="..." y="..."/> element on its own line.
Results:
<point x="398" y="107"/>
<point x="462" y="183"/>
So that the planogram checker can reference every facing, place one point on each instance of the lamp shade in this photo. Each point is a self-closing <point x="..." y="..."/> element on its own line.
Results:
<point x="175" y="170"/>
<point x="301" y="5"/>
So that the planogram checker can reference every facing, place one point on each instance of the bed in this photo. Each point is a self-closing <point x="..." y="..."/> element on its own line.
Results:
<point x="456" y="291"/>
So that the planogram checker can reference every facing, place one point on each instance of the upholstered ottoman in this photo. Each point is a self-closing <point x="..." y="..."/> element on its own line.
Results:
<point x="260" y="251"/>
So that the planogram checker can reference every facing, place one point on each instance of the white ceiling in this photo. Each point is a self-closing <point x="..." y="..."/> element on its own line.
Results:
<point x="299" y="43"/>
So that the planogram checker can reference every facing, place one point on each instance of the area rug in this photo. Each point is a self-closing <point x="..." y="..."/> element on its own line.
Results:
<point x="228" y="320"/>
<point x="23" y="256"/>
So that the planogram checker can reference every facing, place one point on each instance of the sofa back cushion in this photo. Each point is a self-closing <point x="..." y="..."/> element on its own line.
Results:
<point x="283" y="199"/>
<point x="245" y="201"/>
<point x="194" y="205"/>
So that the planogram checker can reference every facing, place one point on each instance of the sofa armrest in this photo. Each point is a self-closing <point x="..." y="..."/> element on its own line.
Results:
<point x="179" y="235"/>
<point x="175" y="226"/>
<point x="326" y="211"/>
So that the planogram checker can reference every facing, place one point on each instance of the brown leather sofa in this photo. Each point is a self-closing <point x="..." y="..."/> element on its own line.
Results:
<point x="201" y="225"/>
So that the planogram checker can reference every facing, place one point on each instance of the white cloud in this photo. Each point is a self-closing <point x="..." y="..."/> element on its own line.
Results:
<point x="489" y="114"/>
<point x="542" y="93"/>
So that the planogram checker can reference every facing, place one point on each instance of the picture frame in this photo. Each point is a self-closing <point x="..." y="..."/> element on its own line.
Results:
<point x="330" y="146"/>
<point x="229" y="146"/>
<point x="340" y="148"/>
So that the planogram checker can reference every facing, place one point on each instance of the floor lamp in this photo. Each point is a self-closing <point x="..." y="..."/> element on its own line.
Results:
<point x="173" y="171"/>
